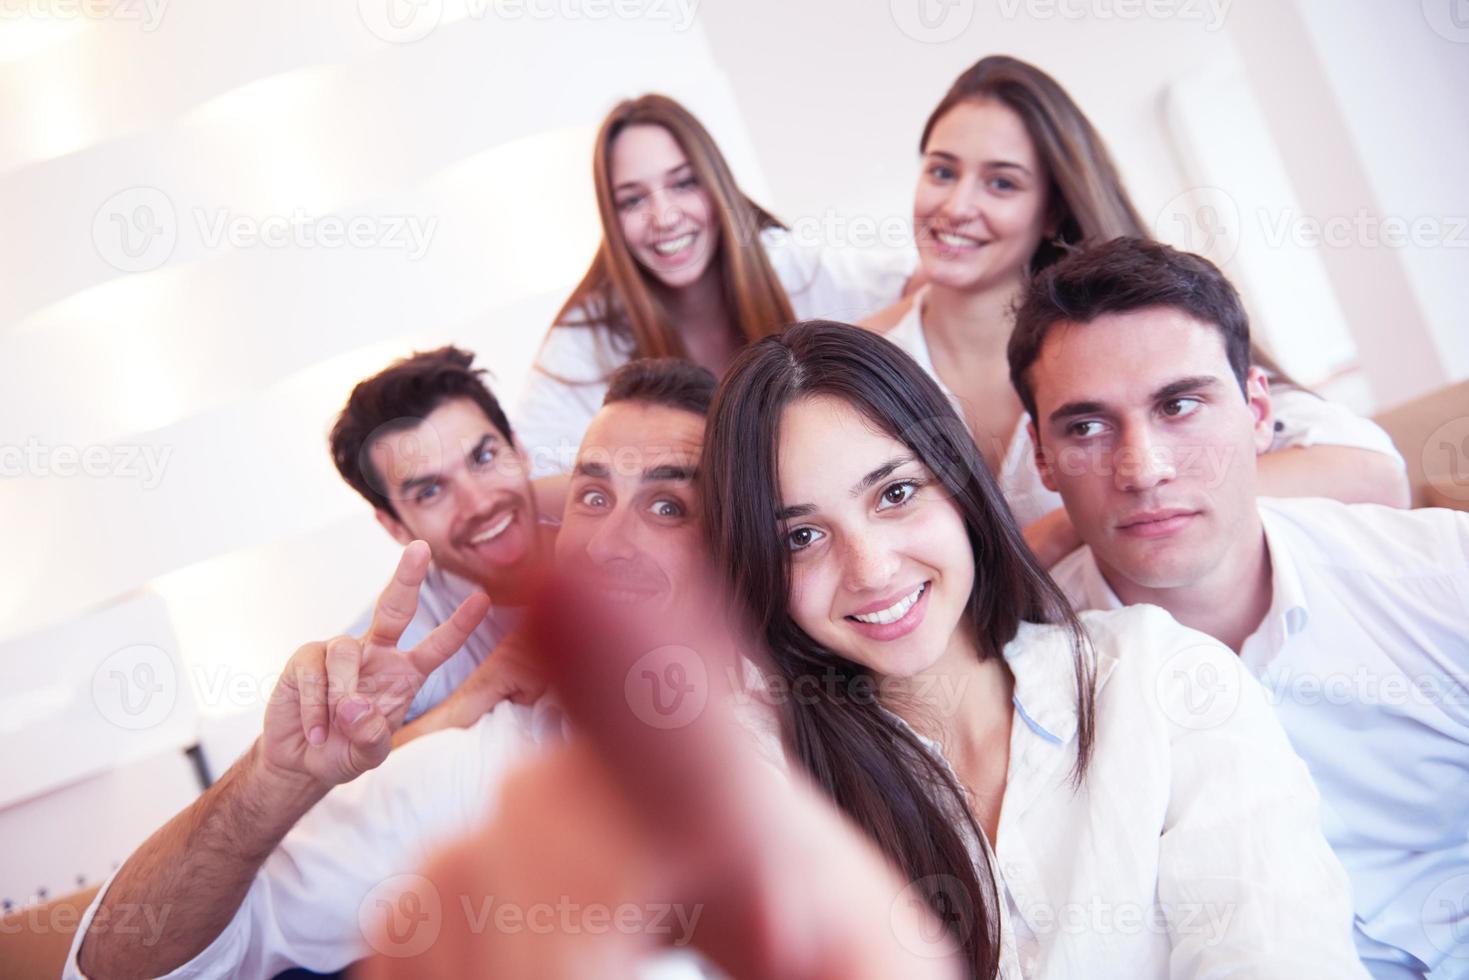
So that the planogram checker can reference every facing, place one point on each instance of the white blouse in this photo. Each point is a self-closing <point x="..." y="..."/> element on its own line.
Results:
<point x="1194" y="846"/>
<point x="1301" y="419"/>
<point x="569" y="379"/>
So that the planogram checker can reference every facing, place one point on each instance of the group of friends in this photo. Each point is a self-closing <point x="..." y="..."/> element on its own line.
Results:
<point x="1008" y="616"/>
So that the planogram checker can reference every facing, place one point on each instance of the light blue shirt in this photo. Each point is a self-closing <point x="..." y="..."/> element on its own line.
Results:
<point x="1365" y="654"/>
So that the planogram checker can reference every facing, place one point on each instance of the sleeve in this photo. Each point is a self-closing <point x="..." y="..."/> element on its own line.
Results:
<point x="344" y="881"/>
<point x="1303" y="419"/>
<point x="564" y="390"/>
<point x="1246" y="880"/>
<point x="837" y="283"/>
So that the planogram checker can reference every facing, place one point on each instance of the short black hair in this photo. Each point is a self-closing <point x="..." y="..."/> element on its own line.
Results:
<point x="399" y="397"/>
<point x="667" y="381"/>
<point x="1120" y="276"/>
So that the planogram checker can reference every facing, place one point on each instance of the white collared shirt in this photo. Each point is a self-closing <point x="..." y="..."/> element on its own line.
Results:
<point x="319" y="895"/>
<point x="569" y="380"/>
<point x="1365" y="654"/>
<point x="1301" y="420"/>
<point x="1192" y="849"/>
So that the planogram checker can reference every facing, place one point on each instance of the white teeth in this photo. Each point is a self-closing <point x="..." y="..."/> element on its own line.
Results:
<point x="494" y="530"/>
<point x="894" y="612"/>
<point x="958" y="241"/>
<point x="674" y="246"/>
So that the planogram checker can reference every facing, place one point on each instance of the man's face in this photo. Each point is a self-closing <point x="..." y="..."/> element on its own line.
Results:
<point x="632" y="518"/>
<point x="1143" y="430"/>
<point x="458" y="485"/>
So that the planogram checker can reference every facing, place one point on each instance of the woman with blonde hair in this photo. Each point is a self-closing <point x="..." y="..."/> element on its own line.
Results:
<point x="689" y="266"/>
<point x="1014" y="175"/>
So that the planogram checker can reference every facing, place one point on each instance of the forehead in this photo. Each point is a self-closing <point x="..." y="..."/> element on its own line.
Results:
<point x="1125" y="356"/>
<point x="451" y="429"/>
<point x="826" y="447"/>
<point x="630" y="437"/>
<point x="983" y="130"/>
<point x="644" y="153"/>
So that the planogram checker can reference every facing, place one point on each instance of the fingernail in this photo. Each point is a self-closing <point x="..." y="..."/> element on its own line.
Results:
<point x="316" y="736"/>
<point x="352" y="709"/>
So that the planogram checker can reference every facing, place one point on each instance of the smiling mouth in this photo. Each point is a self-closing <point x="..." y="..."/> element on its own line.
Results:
<point x="674" y="245"/>
<point x="894" y="612"/>
<point x="494" y="529"/>
<point x="953" y="240"/>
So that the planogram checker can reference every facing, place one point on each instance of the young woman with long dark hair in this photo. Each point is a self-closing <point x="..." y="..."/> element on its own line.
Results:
<point x="689" y="266"/>
<point x="1014" y="175"/>
<point x="1036" y="775"/>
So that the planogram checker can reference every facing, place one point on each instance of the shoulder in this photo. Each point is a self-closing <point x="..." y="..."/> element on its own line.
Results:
<point x="886" y="321"/>
<point x="1368" y="538"/>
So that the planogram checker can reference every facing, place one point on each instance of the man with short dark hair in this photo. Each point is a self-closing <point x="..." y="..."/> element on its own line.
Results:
<point x="1146" y="417"/>
<point x="290" y="857"/>
<point x="426" y="443"/>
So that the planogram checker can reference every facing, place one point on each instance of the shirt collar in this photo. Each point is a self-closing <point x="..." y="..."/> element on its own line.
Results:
<point x="1042" y="662"/>
<point x="1287" y="594"/>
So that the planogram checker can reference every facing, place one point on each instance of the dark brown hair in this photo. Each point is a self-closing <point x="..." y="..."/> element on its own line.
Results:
<point x="868" y="763"/>
<point x="400" y="397"/>
<point x="665" y="381"/>
<point x="617" y="294"/>
<point x="1120" y="276"/>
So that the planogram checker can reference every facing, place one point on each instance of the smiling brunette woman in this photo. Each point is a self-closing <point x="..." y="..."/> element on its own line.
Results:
<point x="688" y="267"/>
<point x="1014" y="176"/>
<point x="1067" y="809"/>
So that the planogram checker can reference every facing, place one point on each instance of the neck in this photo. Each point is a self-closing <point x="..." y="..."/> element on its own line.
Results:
<point x="1228" y="603"/>
<point x="963" y="701"/>
<point x="972" y="321"/>
<point x="702" y="320"/>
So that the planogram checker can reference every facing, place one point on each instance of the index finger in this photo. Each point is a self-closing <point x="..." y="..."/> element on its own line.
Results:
<point x="399" y="601"/>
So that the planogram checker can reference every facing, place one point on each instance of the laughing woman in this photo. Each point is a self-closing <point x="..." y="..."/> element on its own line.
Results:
<point x="1109" y="796"/>
<point x="1013" y="176"/>
<point x="688" y="267"/>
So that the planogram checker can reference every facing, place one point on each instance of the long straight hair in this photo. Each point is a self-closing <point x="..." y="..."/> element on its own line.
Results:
<point x="1088" y="203"/>
<point x="867" y="762"/>
<point x="618" y="295"/>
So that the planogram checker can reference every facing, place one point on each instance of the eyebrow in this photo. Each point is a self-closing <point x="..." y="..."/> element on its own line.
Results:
<point x="992" y="164"/>
<point x="655" y="474"/>
<point x="1172" y="389"/>
<point x="626" y="184"/>
<point x="863" y="485"/>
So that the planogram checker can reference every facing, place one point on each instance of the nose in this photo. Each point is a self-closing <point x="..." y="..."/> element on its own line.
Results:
<point x="1141" y="461"/>
<point x="665" y="210"/>
<point x="963" y="202"/>
<point x="611" y="542"/>
<point x="870" y="565"/>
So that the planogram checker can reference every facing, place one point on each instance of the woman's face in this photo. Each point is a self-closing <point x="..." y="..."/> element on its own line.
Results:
<point x="980" y="209"/>
<point x="881" y="566"/>
<point x="667" y="217"/>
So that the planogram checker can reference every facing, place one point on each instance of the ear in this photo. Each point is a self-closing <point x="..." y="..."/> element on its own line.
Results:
<point x="1042" y="458"/>
<point x="394" y="527"/>
<point x="1257" y="395"/>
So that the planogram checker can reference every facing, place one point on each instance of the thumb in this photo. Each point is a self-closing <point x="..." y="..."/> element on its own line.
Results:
<point x="369" y="736"/>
